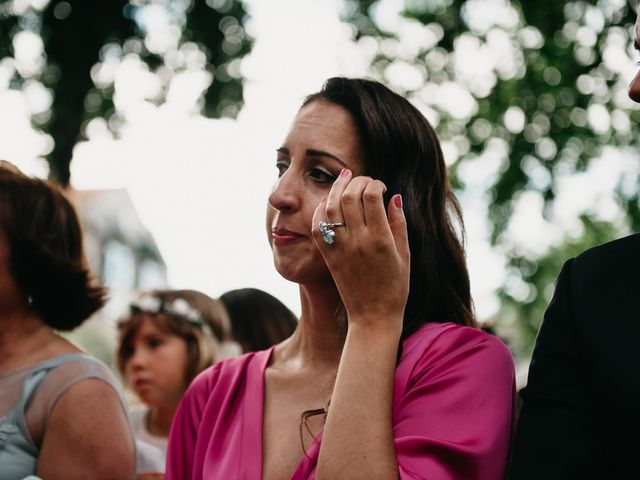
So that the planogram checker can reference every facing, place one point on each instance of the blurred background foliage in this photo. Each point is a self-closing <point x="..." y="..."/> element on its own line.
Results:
<point x="541" y="88"/>
<point x="82" y="41"/>
<point x="527" y="96"/>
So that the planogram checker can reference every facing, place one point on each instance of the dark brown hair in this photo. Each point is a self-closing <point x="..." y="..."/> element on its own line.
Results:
<point x="45" y="248"/>
<point x="401" y="149"/>
<point x="202" y="338"/>
<point x="258" y="319"/>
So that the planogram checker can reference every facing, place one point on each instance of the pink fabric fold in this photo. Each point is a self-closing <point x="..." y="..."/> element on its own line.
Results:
<point x="453" y="412"/>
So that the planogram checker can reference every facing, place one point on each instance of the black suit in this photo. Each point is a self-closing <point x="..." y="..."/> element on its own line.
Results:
<point x="580" y="415"/>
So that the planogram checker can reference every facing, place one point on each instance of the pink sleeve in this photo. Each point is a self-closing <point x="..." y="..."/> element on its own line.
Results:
<point x="181" y="450"/>
<point x="455" y="418"/>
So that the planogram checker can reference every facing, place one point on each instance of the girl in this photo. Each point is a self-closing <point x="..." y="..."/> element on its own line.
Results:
<point x="167" y="339"/>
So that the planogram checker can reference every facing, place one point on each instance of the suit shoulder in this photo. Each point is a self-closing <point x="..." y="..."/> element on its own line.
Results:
<point x="609" y="260"/>
<point x="603" y="255"/>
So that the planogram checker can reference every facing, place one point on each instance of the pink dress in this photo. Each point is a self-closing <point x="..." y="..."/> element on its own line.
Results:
<point x="453" y="412"/>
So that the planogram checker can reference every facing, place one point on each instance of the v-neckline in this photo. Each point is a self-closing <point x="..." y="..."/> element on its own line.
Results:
<point x="253" y="435"/>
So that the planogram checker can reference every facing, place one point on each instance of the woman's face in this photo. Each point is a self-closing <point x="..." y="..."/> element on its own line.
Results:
<point x="157" y="366"/>
<point x="323" y="140"/>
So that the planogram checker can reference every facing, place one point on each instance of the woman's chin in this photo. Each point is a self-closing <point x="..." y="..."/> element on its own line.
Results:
<point x="289" y="274"/>
<point x="303" y="275"/>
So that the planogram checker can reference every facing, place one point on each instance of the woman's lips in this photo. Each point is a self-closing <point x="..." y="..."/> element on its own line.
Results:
<point x="282" y="236"/>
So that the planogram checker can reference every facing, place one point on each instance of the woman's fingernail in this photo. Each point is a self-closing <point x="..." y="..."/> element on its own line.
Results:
<point x="344" y="172"/>
<point x="397" y="200"/>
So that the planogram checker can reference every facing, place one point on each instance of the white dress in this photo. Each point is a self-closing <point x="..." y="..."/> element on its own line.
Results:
<point x="151" y="449"/>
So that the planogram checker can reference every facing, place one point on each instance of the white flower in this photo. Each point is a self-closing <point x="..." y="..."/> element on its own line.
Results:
<point x="149" y="304"/>
<point x="181" y="307"/>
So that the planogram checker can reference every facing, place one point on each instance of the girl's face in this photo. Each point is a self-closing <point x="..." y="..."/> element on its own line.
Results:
<point x="157" y="365"/>
<point x="321" y="142"/>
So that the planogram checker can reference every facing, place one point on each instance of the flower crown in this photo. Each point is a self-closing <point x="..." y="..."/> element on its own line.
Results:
<point x="179" y="307"/>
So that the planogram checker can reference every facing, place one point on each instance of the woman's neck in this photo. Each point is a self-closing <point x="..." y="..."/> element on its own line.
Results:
<point x="317" y="341"/>
<point x="25" y="339"/>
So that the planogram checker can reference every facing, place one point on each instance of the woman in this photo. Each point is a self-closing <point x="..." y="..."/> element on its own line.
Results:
<point x="387" y="374"/>
<point x="61" y="412"/>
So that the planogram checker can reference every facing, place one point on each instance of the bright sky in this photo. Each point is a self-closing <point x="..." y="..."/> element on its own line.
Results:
<point x="200" y="186"/>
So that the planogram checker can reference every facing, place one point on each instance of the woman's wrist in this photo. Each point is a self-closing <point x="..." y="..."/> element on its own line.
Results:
<point x="385" y="329"/>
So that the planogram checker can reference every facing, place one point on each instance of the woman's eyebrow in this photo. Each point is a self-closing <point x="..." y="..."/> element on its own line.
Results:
<point x="319" y="153"/>
<point x="312" y="152"/>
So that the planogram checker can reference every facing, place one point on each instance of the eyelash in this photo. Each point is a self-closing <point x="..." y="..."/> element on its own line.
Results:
<point x="282" y="167"/>
<point x="317" y="174"/>
<point x="322" y="176"/>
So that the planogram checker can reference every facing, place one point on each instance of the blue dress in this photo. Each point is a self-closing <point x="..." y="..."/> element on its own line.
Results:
<point x="27" y="396"/>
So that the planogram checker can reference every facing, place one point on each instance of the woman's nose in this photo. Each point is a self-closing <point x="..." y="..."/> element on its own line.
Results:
<point x="285" y="196"/>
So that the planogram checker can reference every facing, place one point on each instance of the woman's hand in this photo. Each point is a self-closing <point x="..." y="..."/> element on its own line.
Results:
<point x="369" y="259"/>
<point x="369" y="262"/>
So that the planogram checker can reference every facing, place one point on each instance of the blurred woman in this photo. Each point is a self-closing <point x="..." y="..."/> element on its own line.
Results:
<point x="62" y="415"/>
<point x="258" y="319"/>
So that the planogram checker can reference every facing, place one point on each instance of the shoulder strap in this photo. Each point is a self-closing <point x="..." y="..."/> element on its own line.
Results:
<point x="34" y="379"/>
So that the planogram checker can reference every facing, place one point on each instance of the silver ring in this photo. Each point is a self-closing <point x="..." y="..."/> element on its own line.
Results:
<point x="326" y="230"/>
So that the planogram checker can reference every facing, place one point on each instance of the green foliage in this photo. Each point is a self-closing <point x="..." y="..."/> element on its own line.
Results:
<point x="548" y="95"/>
<point x="523" y="308"/>
<point x="80" y="37"/>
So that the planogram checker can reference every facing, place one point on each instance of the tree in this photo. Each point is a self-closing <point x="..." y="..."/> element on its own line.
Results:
<point x="80" y="37"/>
<point x="539" y="97"/>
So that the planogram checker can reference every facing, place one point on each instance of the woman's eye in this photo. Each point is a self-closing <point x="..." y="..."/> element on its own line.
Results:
<point x="282" y="167"/>
<point x="321" y="176"/>
<point x="155" y="342"/>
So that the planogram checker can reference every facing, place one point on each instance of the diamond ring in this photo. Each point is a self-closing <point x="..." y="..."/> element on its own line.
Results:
<point x="326" y="229"/>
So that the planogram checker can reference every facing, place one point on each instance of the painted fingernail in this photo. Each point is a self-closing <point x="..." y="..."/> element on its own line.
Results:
<point x="344" y="172"/>
<point x="397" y="200"/>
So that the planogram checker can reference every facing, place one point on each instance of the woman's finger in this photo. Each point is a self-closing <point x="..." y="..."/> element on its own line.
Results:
<point x="373" y="205"/>
<point x="351" y="201"/>
<point x="319" y="215"/>
<point x="333" y="207"/>
<point x="398" y="225"/>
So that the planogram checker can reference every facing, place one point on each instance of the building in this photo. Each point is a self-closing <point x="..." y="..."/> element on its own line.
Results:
<point x="122" y="254"/>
